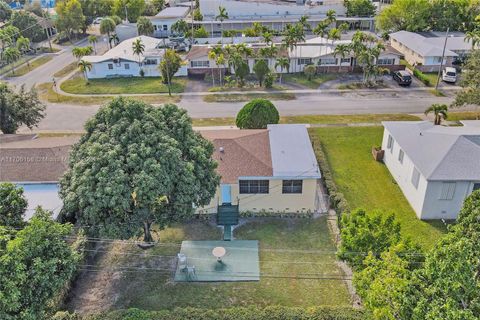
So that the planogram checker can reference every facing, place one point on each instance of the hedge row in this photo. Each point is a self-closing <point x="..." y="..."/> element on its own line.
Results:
<point x="337" y="199"/>
<point x="270" y="214"/>
<point x="421" y="76"/>
<point x="237" y="313"/>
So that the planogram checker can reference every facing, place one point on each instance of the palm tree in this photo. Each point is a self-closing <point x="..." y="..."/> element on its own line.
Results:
<point x="304" y="22"/>
<point x="473" y="37"/>
<point x="107" y="26"/>
<point x="23" y="45"/>
<point x="180" y="26"/>
<point x="321" y="29"/>
<point x="93" y="41"/>
<point x="11" y="55"/>
<point x="341" y="50"/>
<point x="439" y="110"/>
<point x="222" y="15"/>
<point x="138" y="48"/>
<point x="144" y="26"/>
<point x="212" y="56"/>
<point x="84" y="66"/>
<point x="267" y="37"/>
<point x="220" y="61"/>
<point x="114" y="38"/>
<point x="331" y="16"/>
<point x="284" y="64"/>
<point x="334" y="34"/>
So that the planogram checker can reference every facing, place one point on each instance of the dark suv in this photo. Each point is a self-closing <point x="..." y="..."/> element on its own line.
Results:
<point x="402" y="77"/>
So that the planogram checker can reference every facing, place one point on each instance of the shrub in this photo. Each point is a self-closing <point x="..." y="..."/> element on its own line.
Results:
<point x="257" y="114"/>
<point x="422" y="77"/>
<point x="239" y="313"/>
<point x="310" y="71"/>
<point x="269" y="80"/>
<point x="261" y="70"/>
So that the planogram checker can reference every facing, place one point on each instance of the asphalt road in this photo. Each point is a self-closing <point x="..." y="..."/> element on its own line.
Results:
<point x="68" y="118"/>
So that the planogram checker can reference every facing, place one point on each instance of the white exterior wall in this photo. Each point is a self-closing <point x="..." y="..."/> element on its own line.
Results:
<point x="402" y="173"/>
<point x="159" y="24"/>
<point x="436" y="208"/>
<point x="100" y="70"/>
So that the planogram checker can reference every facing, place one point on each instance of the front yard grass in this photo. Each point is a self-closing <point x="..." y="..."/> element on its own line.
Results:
<point x="24" y="69"/>
<point x="46" y="93"/>
<point x="132" y="85"/>
<point x="275" y="87"/>
<point x="300" y="78"/>
<point x="317" y="119"/>
<point x="367" y="183"/>
<point x="289" y="249"/>
<point x="464" y="115"/>
<point x="240" y="97"/>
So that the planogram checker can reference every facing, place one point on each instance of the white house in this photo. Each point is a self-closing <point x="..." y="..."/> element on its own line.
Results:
<point x="120" y="61"/>
<point x="163" y="21"/>
<point x="436" y="167"/>
<point x="424" y="50"/>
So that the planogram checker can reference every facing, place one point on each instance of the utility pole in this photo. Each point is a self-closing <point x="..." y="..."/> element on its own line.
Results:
<point x="443" y="57"/>
<point x="166" y="66"/>
<point x="126" y="14"/>
<point x="47" y="30"/>
<point x="191" y="14"/>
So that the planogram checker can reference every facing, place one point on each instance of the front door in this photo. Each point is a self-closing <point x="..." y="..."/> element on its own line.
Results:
<point x="226" y="193"/>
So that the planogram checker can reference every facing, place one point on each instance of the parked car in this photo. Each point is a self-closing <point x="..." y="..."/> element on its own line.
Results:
<point x="402" y="77"/>
<point x="449" y="74"/>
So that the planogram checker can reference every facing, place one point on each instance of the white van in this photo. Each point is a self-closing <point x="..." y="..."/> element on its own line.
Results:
<point x="449" y="74"/>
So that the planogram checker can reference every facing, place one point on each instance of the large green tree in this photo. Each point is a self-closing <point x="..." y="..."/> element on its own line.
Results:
<point x="410" y="15"/>
<point x="137" y="165"/>
<point x="145" y="26"/>
<point x="360" y="8"/>
<point x="5" y="11"/>
<point x="257" y="114"/>
<point x="470" y="93"/>
<point x="133" y="8"/>
<point x="34" y="266"/>
<point x="70" y="18"/>
<point x="16" y="109"/>
<point x="12" y="205"/>
<point x="28" y="26"/>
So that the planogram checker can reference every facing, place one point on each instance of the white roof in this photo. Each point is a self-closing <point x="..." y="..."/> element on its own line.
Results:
<point x="173" y="12"/>
<point x="315" y="47"/>
<point x="291" y="151"/>
<point x="124" y="50"/>
<point x="428" y="46"/>
<point x="438" y="152"/>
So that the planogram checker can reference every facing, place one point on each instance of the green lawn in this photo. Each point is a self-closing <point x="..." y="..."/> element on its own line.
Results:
<point x="246" y="89"/>
<point x="66" y="70"/>
<point x="140" y="85"/>
<point x="432" y="77"/>
<point x="300" y="78"/>
<point x="367" y="183"/>
<point x="316" y="119"/>
<point x="151" y="290"/>
<point x="465" y="115"/>
<point x="240" y="97"/>
<point x="24" y="69"/>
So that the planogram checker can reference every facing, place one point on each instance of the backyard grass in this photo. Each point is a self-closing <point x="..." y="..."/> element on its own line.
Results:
<point x="66" y="70"/>
<point x="291" y="248"/>
<point x="312" y="84"/>
<point x="240" y="97"/>
<point x="317" y="119"/>
<point x="46" y="93"/>
<point x="367" y="183"/>
<point x="24" y="69"/>
<point x="78" y="85"/>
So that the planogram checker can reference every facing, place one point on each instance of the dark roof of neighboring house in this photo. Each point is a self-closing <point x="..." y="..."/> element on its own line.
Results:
<point x="27" y="158"/>
<point x="245" y="153"/>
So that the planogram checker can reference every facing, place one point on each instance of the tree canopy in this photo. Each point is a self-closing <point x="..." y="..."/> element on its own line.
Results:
<point x="257" y="114"/>
<point x="12" y="205"/>
<point x="137" y="165"/>
<point x="360" y="8"/>
<point x="169" y="65"/>
<point x="260" y="68"/>
<point x="134" y="9"/>
<point x="70" y="17"/>
<point x="470" y="93"/>
<point x="28" y="26"/>
<point x="16" y="109"/>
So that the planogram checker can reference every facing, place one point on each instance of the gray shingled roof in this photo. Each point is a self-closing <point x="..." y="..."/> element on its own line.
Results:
<point x="438" y="152"/>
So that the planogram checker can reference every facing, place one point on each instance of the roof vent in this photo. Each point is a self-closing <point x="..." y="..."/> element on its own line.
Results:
<point x="221" y="149"/>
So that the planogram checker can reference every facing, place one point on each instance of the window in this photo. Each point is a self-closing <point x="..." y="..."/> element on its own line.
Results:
<point x="292" y="186"/>
<point x="448" y="190"/>
<point x="345" y="60"/>
<point x="200" y="64"/>
<point x="385" y="62"/>
<point x="254" y="186"/>
<point x="327" y="61"/>
<point x="415" y="177"/>
<point x="127" y="66"/>
<point x="400" y="156"/>
<point x="476" y="186"/>
<point x="390" y="143"/>
<point x="304" y="61"/>
<point x="150" y="61"/>
<point x="110" y="66"/>
<point x="165" y="27"/>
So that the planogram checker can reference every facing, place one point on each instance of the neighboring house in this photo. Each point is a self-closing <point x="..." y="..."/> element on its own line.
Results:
<point x="36" y="164"/>
<point x="164" y="20"/>
<point x="274" y="14"/>
<point x="436" y="167"/>
<point x="120" y="61"/>
<point x="424" y="50"/>
<point x="270" y="170"/>
<point x="317" y="51"/>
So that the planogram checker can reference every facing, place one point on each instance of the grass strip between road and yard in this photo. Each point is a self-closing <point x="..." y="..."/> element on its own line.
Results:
<point x="246" y="89"/>
<point x="66" y="70"/>
<point x="366" y="183"/>
<point x="29" y="66"/>
<point x="316" y="119"/>
<point x="314" y="83"/>
<point x="241" y="97"/>
<point x="131" y="85"/>
<point x="47" y="94"/>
